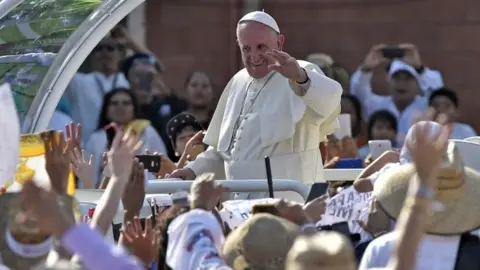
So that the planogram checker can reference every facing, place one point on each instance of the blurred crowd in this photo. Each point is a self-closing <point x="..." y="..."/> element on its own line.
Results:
<point x="123" y="107"/>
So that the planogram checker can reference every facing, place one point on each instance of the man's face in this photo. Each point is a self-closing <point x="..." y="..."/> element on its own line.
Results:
<point x="443" y="105"/>
<point x="106" y="52"/>
<point x="404" y="87"/>
<point x="254" y="40"/>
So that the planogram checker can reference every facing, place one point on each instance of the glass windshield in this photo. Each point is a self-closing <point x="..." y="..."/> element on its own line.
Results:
<point x="30" y="36"/>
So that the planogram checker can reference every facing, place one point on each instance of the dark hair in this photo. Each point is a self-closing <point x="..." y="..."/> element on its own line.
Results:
<point x="381" y="116"/>
<point x="141" y="58"/>
<point x="102" y="119"/>
<point x="193" y="72"/>
<point x="358" y="111"/>
<point x="162" y="227"/>
<point x="444" y="92"/>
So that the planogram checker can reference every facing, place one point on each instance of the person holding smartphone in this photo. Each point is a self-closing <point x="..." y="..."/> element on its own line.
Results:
<point x="409" y="84"/>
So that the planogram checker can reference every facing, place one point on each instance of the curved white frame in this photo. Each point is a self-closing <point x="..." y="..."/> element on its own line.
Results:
<point x="8" y="5"/>
<point x="70" y="57"/>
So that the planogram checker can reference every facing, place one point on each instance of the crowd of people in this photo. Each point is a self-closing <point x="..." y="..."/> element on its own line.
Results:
<point x="419" y="213"/>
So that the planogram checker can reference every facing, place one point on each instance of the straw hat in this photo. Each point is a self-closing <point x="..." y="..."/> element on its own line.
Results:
<point x="453" y="212"/>
<point x="324" y="250"/>
<point x="39" y="246"/>
<point x="262" y="242"/>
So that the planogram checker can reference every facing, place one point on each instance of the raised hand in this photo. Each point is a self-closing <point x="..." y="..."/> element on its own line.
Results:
<point x="144" y="243"/>
<point x="192" y="144"/>
<point x="412" y="56"/>
<point x="286" y="65"/>
<point x="205" y="194"/>
<point x="123" y="150"/>
<point x="427" y="149"/>
<point x="374" y="58"/>
<point x="135" y="191"/>
<point x="316" y="208"/>
<point x="82" y="168"/>
<point x="57" y="160"/>
<point x="74" y="136"/>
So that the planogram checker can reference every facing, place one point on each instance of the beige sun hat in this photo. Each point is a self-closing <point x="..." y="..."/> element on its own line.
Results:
<point x="262" y="242"/>
<point x="33" y="248"/>
<point x="323" y="251"/>
<point x="320" y="59"/>
<point x="453" y="212"/>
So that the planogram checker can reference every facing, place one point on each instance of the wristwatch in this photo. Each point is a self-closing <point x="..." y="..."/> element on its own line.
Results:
<point x="306" y="75"/>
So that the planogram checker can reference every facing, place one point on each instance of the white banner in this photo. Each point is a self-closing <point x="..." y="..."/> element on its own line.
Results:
<point x="344" y="207"/>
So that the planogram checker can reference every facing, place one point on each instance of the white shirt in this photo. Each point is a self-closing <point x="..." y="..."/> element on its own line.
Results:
<point x="97" y="145"/>
<point x="360" y="86"/>
<point x="194" y="239"/>
<point x="462" y="131"/>
<point x="58" y="121"/>
<point x="85" y="94"/>
<point x="435" y="252"/>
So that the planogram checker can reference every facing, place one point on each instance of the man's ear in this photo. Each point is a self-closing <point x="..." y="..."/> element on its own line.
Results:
<point x="280" y="42"/>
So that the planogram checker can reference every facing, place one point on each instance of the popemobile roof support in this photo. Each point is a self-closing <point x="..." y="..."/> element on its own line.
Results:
<point x="70" y="57"/>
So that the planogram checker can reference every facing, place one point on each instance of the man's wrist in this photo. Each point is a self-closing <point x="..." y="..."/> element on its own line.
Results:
<point x="303" y="78"/>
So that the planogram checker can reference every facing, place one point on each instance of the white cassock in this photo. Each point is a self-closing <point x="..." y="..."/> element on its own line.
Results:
<point x="256" y="118"/>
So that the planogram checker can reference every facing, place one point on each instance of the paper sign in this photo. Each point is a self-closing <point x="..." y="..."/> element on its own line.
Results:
<point x="234" y="213"/>
<point x="9" y="136"/>
<point x="344" y="207"/>
<point x="345" y="129"/>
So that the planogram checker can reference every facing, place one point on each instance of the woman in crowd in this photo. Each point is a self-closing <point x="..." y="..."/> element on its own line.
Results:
<point x="121" y="109"/>
<point x="200" y="97"/>
<point x="158" y="103"/>
<point x="381" y="126"/>
<point x="352" y="106"/>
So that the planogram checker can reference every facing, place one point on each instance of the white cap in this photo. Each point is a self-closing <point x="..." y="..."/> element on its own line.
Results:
<point x="398" y="65"/>
<point x="261" y="17"/>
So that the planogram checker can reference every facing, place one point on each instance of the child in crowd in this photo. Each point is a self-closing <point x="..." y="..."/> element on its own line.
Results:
<point x="445" y="101"/>
<point x="381" y="126"/>
<point x="186" y="136"/>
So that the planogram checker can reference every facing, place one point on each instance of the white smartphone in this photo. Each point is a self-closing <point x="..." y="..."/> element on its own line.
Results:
<point x="378" y="147"/>
<point x="345" y="129"/>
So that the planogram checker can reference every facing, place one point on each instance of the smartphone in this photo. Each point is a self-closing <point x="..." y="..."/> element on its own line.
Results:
<point x="349" y="163"/>
<point x="393" y="52"/>
<point x="151" y="163"/>
<point x="378" y="147"/>
<point x="317" y="190"/>
<point x="265" y="208"/>
<point x="145" y="81"/>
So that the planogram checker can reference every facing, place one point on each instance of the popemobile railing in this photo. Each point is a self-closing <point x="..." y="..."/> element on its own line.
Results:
<point x="254" y="185"/>
<point x="251" y="185"/>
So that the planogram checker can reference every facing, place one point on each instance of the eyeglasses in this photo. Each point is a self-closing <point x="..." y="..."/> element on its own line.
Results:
<point x="105" y="47"/>
<point x="123" y="103"/>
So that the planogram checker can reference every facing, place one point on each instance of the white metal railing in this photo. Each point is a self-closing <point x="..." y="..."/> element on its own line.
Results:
<point x="341" y="174"/>
<point x="254" y="185"/>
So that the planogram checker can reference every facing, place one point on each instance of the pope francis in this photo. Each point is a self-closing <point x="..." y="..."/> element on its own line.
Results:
<point x="276" y="106"/>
